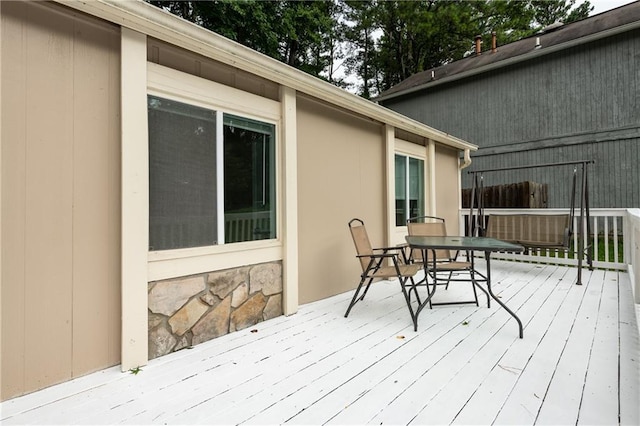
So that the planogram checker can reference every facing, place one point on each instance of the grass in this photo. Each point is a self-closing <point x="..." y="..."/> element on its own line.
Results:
<point x="600" y="251"/>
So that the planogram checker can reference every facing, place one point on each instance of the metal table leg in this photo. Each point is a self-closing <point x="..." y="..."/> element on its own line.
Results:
<point x="487" y="255"/>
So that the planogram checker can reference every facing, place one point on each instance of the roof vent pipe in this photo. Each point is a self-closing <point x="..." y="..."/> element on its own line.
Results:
<point x="538" y="45"/>
<point x="494" y="42"/>
<point x="478" y="45"/>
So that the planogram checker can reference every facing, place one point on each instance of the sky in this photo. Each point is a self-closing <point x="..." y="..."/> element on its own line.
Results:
<point x="604" y="5"/>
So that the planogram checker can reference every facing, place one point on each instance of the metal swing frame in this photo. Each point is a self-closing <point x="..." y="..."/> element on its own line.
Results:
<point x="476" y="222"/>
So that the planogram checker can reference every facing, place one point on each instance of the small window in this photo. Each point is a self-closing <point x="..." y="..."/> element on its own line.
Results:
<point x="410" y="199"/>
<point x="249" y="184"/>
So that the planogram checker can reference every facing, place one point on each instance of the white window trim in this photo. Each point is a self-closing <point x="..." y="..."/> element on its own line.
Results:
<point x="410" y="149"/>
<point x="220" y="176"/>
<point x="135" y="200"/>
<point x="167" y="82"/>
<point x="175" y="85"/>
<point x="407" y="149"/>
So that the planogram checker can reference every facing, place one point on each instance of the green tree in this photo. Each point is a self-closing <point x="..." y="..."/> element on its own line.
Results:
<point x="360" y="25"/>
<point x="547" y="12"/>
<point x="300" y="34"/>
<point x="307" y="34"/>
<point x="380" y="42"/>
<point x="424" y="34"/>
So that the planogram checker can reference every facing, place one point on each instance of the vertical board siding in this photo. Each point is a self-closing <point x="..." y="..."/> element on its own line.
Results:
<point x="581" y="103"/>
<point x="49" y="152"/>
<point x="447" y="183"/>
<point x="13" y="202"/>
<point x="60" y="196"/>
<point x="96" y="269"/>
<point x="340" y="166"/>
<point x="613" y="179"/>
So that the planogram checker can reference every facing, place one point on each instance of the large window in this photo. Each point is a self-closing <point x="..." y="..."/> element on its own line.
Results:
<point x="409" y="188"/>
<point x="188" y="180"/>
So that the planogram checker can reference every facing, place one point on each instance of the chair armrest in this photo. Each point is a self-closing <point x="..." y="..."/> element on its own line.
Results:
<point x="378" y="256"/>
<point x="386" y="249"/>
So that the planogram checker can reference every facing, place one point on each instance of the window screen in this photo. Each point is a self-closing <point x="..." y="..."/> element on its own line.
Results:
<point x="182" y="175"/>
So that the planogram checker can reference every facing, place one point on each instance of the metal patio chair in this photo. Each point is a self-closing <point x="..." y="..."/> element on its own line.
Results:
<point x="380" y="263"/>
<point x="448" y="267"/>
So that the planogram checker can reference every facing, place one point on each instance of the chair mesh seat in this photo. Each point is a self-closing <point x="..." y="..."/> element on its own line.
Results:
<point x="390" y="271"/>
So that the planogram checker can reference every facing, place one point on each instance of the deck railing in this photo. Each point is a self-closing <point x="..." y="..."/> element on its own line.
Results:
<point x="632" y="250"/>
<point x="610" y="237"/>
<point x="247" y="226"/>
<point x="172" y="232"/>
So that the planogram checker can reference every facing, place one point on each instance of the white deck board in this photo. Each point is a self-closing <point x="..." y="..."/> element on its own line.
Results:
<point x="465" y="365"/>
<point x="600" y="398"/>
<point x="428" y="353"/>
<point x="492" y="390"/>
<point x="497" y="325"/>
<point x="527" y="396"/>
<point x="563" y="396"/>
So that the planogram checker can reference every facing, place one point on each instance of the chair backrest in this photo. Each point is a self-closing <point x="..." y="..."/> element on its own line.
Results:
<point x="428" y="226"/>
<point x="361" y="241"/>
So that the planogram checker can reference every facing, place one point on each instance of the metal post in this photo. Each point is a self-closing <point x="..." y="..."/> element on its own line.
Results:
<point x="580" y="252"/>
<point x="471" y="202"/>
<point x="586" y="204"/>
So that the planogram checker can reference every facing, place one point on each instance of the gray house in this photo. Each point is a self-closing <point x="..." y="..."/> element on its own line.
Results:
<point x="568" y="93"/>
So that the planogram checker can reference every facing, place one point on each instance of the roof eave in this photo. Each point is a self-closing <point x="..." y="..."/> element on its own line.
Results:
<point x="152" y="21"/>
<point x="514" y="60"/>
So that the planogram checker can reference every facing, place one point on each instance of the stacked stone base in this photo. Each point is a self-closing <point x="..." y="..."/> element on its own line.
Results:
<point x="190" y="310"/>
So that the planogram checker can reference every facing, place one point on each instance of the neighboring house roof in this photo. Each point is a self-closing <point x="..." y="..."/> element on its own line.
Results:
<point x="152" y="21"/>
<point x="556" y="38"/>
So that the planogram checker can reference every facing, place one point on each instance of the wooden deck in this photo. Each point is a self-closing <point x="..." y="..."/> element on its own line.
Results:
<point x="577" y="364"/>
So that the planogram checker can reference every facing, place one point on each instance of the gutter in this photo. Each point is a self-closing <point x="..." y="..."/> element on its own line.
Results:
<point x="152" y="21"/>
<point x="535" y="53"/>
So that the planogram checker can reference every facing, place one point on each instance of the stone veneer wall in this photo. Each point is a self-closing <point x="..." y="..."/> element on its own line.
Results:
<point x="190" y="310"/>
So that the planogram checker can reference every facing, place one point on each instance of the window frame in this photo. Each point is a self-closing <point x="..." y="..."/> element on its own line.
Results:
<point x="175" y="85"/>
<point x="419" y="152"/>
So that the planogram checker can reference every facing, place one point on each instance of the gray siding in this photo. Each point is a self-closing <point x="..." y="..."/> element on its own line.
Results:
<point x="577" y="104"/>
<point x="613" y="179"/>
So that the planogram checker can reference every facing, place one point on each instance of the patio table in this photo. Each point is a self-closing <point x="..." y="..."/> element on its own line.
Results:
<point x="484" y="244"/>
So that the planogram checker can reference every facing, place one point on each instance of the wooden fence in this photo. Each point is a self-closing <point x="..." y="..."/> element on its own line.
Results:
<point x="529" y="195"/>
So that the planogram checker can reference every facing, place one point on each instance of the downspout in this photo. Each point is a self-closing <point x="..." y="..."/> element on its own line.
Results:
<point x="431" y="158"/>
<point x="467" y="159"/>
<point x="466" y="162"/>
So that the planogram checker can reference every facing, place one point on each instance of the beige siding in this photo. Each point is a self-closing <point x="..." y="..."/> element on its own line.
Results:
<point x="447" y="190"/>
<point x="340" y="176"/>
<point x="60" y="196"/>
<point x="179" y="59"/>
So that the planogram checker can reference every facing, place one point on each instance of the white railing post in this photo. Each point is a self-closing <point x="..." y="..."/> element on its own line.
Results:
<point x="631" y="229"/>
